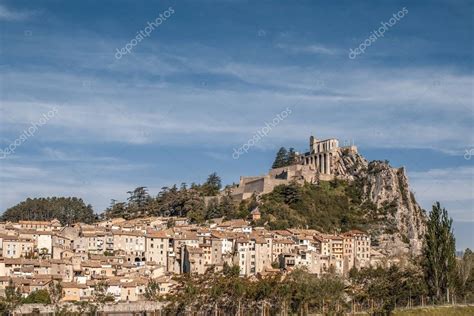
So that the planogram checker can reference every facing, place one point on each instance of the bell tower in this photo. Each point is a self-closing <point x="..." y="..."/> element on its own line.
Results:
<point x="312" y="141"/>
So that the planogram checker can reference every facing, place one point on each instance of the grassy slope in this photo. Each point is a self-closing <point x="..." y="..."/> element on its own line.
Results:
<point x="438" y="311"/>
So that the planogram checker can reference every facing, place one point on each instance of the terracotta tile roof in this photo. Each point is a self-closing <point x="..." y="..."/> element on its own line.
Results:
<point x="283" y="241"/>
<point x="159" y="233"/>
<point x="34" y="222"/>
<point x="73" y="285"/>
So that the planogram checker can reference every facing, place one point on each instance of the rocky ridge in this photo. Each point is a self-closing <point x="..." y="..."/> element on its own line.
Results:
<point x="400" y="222"/>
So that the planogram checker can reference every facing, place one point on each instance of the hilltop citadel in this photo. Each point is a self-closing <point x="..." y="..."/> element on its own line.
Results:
<point x="320" y="163"/>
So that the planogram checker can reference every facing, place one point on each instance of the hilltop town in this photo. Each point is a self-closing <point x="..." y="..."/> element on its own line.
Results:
<point x="325" y="225"/>
<point x="150" y="241"/>
<point x="128" y="254"/>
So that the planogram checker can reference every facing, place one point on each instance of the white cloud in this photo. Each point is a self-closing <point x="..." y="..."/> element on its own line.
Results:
<point x="309" y="49"/>
<point x="401" y="108"/>
<point x="12" y="15"/>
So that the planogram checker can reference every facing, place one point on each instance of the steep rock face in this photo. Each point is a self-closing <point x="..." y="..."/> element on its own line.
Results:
<point x="399" y="222"/>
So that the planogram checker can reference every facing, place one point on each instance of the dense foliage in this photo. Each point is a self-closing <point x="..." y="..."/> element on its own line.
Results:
<point x="465" y="277"/>
<point x="172" y="201"/>
<point x="439" y="253"/>
<point x="330" y="206"/>
<point x="38" y="297"/>
<point x="377" y="291"/>
<point x="230" y="294"/>
<point x="284" y="158"/>
<point x="68" y="210"/>
<point x="381" y="290"/>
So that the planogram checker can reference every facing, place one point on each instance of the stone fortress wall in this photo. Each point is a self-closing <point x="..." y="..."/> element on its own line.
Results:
<point x="320" y="163"/>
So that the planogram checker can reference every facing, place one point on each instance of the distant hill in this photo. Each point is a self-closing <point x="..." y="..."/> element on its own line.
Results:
<point x="67" y="210"/>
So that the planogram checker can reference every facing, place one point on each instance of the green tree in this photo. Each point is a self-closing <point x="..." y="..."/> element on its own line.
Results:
<point x="465" y="282"/>
<point x="213" y="209"/>
<point x="139" y="202"/>
<point x="38" y="297"/>
<point x="12" y="297"/>
<point x="170" y="223"/>
<point x="212" y="185"/>
<point x="291" y="157"/>
<point x="439" y="260"/>
<point x="152" y="290"/>
<point x="227" y="204"/>
<point x="100" y="294"/>
<point x="55" y="290"/>
<point x="67" y="210"/>
<point x="230" y="271"/>
<point x="116" y="209"/>
<point x="281" y="158"/>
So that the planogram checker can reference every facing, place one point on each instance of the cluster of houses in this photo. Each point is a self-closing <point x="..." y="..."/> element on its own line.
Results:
<point x="127" y="254"/>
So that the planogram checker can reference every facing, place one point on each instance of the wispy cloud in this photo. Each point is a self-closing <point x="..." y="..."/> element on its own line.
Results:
<point x="417" y="113"/>
<point x="309" y="49"/>
<point x="7" y="14"/>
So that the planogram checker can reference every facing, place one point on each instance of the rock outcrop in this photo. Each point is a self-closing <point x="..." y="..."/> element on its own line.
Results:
<point x="400" y="222"/>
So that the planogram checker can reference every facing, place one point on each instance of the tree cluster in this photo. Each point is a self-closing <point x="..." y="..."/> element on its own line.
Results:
<point x="67" y="210"/>
<point x="381" y="290"/>
<point x="173" y="201"/>
<point x="227" y="293"/>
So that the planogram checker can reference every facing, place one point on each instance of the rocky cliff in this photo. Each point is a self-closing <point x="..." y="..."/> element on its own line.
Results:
<point x="398" y="221"/>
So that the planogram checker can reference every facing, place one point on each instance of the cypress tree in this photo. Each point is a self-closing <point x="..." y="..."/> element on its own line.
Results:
<point x="439" y="261"/>
<point x="281" y="158"/>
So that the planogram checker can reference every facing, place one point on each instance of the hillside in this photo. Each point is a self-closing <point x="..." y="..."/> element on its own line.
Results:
<point x="374" y="197"/>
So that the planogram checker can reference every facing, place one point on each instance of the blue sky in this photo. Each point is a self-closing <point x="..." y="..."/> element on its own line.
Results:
<point x="213" y="73"/>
